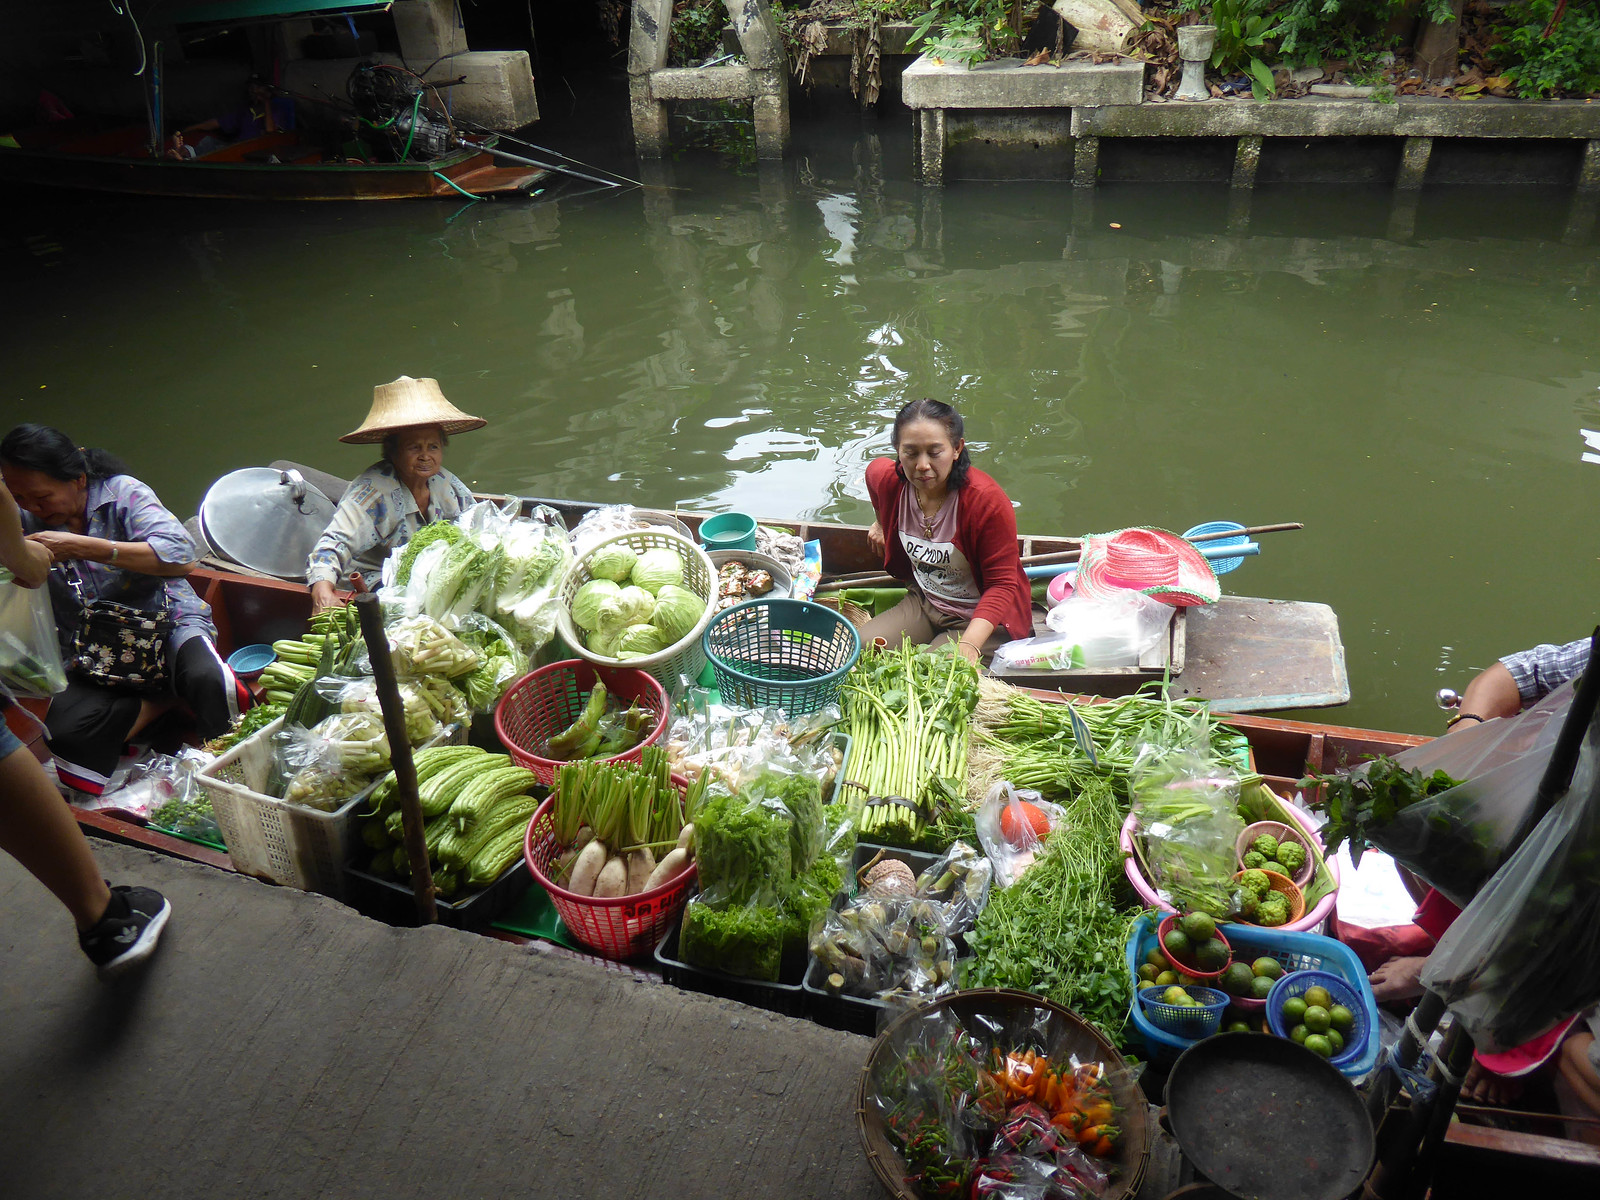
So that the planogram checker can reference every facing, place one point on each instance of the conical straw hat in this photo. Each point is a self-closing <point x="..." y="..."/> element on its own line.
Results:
<point x="408" y="402"/>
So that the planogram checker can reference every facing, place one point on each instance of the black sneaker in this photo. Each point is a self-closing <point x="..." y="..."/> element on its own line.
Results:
<point x="128" y="932"/>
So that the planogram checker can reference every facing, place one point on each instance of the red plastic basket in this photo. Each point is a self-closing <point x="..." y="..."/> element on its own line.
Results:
<point x="1170" y="920"/>
<point x="543" y="703"/>
<point x="619" y="927"/>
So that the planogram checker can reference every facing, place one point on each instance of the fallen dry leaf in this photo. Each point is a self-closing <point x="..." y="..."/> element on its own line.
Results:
<point x="1037" y="58"/>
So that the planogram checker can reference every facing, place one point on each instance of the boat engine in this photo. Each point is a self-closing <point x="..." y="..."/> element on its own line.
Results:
<point x="390" y="103"/>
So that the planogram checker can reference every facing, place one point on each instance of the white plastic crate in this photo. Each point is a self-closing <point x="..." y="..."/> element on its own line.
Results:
<point x="278" y="841"/>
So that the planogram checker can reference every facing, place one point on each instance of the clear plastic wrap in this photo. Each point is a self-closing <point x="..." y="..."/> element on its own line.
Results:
<point x="742" y="848"/>
<point x="526" y="601"/>
<point x="602" y="523"/>
<point x="177" y="802"/>
<point x="1188" y="809"/>
<point x="745" y="939"/>
<point x="361" y="696"/>
<point x="423" y="646"/>
<point x="960" y="880"/>
<point x="324" y="766"/>
<point x="30" y="652"/>
<point x="888" y="948"/>
<point x="1012" y="826"/>
<point x="735" y="743"/>
<point x="1524" y="955"/>
<point x="501" y="661"/>
<point x="1457" y="838"/>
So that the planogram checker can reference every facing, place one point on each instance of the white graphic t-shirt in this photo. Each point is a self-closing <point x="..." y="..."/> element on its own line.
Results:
<point x="941" y="571"/>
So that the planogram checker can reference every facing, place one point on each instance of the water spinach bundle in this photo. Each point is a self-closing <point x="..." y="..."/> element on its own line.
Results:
<point x="907" y="711"/>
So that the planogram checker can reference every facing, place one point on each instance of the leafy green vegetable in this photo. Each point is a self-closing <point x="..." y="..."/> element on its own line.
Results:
<point x="256" y="719"/>
<point x="1358" y="804"/>
<point x="739" y="939"/>
<point x="460" y="581"/>
<point x="1057" y="930"/>
<point x="742" y="849"/>
<point x="656" y="569"/>
<point x="639" y="639"/>
<point x="677" y="612"/>
<point x="420" y="541"/>
<point x="613" y="562"/>
<point x="587" y="600"/>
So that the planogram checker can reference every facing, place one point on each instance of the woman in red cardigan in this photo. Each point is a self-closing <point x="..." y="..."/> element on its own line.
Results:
<point x="949" y="531"/>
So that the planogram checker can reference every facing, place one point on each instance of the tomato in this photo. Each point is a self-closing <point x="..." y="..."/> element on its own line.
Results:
<point x="1022" y="823"/>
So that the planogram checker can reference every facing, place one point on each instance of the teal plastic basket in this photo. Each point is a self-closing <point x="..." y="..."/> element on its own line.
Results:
<point x="788" y="654"/>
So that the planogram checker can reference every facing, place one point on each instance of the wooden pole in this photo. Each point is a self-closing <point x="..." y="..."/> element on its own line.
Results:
<point x="1064" y="557"/>
<point x="405" y="769"/>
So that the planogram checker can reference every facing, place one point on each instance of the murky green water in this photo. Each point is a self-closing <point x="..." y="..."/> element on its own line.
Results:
<point x="1414" y="396"/>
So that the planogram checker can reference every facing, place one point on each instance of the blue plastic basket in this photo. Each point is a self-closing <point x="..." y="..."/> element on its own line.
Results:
<point x="1221" y="566"/>
<point x="1190" y="1022"/>
<point x="1295" y="952"/>
<point x="789" y="654"/>
<point x="1297" y="983"/>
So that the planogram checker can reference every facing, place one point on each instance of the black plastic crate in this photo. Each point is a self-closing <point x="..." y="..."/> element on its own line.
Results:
<point x="787" y="996"/>
<point x="395" y="904"/>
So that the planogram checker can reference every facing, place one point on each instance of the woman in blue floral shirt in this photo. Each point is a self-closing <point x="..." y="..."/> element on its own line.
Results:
<point x="395" y="497"/>
<point x="110" y="538"/>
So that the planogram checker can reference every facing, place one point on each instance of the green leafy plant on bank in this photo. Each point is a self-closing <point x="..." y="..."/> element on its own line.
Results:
<point x="1315" y="30"/>
<point x="1568" y="60"/>
<point x="1244" y="30"/>
<point x="696" y="31"/>
<point x="966" y="31"/>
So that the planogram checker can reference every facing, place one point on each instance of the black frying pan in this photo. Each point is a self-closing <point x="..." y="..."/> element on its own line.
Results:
<point x="1266" y="1119"/>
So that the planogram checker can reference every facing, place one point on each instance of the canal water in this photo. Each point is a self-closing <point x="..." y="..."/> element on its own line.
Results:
<point x="1413" y="385"/>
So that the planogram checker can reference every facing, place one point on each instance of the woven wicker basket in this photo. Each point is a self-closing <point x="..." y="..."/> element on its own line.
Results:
<point x="686" y="657"/>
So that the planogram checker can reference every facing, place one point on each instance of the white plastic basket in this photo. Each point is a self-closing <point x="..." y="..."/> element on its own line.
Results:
<point x="277" y="841"/>
<point x="686" y="657"/>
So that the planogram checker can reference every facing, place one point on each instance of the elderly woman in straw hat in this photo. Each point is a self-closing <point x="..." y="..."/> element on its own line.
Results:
<point x="396" y="496"/>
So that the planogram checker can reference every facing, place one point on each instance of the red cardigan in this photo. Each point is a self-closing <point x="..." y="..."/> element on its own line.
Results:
<point x="986" y="532"/>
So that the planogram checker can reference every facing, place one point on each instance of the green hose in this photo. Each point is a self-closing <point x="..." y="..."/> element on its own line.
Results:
<point x="457" y="186"/>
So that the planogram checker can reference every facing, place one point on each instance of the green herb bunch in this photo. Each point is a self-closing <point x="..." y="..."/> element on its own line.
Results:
<point x="1568" y="60"/>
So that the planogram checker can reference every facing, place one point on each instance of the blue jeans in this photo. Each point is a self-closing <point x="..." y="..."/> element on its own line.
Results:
<point x="9" y="742"/>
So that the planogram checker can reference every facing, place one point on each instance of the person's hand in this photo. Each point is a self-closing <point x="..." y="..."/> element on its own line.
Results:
<point x="967" y="651"/>
<point x="70" y="547"/>
<point x="323" y="597"/>
<point x="875" y="536"/>
<point x="1397" y="979"/>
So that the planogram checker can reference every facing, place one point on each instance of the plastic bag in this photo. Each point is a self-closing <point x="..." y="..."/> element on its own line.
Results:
<point x="960" y="881"/>
<point x="744" y="939"/>
<point x="537" y="558"/>
<point x="1188" y="809"/>
<point x="1113" y="630"/>
<point x="361" y="696"/>
<point x="742" y="848"/>
<point x="423" y="646"/>
<point x="501" y="661"/>
<point x="1455" y="840"/>
<point x="1524" y="955"/>
<point x="324" y="766"/>
<point x="1012" y="826"/>
<point x="924" y="1086"/>
<point x="1047" y="652"/>
<point x="186" y="808"/>
<point x="735" y="743"/>
<point x="604" y="522"/>
<point x="154" y="781"/>
<point x="806" y="574"/>
<point x="30" y="651"/>
<point x="887" y="947"/>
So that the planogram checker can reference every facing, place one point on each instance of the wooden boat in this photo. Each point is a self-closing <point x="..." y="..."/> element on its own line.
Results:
<point x="1244" y="654"/>
<point x="274" y="166"/>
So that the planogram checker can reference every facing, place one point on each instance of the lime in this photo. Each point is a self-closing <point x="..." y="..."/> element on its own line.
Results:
<point x="1318" y="1044"/>
<point x="1177" y="944"/>
<point x="1237" y="1027"/>
<point x="1269" y="968"/>
<point x="1149" y="971"/>
<point x="1150" y="987"/>
<point x="1174" y="995"/>
<point x="1260" y="987"/>
<point x="1212" y="954"/>
<point x="1299" y="1034"/>
<point x="1335" y="1039"/>
<point x="1316" y="1019"/>
<point x="1237" y="980"/>
<point x="1167" y="978"/>
<point x="1294" y="1010"/>
<point x="1318" y="996"/>
<point x="1198" y="927"/>
<point x="1187" y="979"/>
<point x="1157" y="958"/>
<point x="1341" y="1018"/>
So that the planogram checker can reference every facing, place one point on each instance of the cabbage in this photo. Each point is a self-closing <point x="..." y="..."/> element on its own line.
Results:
<point x="640" y="639"/>
<point x="613" y="562"/>
<point x="586" y="604"/>
<point x="630" y="606"/>
<point x="677" y="612"/>
<point x="656" y="569"/>
<point x="604" y="644"/>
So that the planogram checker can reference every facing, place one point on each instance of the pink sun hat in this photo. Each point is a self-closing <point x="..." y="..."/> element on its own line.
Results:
<point x="1152" y="561"/>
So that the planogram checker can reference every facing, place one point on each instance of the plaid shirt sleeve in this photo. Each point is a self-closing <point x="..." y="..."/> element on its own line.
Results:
<point x="1543" y="669"/>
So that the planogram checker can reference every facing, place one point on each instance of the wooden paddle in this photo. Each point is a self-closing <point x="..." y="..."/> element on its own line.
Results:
<point x="1064" y="557"/>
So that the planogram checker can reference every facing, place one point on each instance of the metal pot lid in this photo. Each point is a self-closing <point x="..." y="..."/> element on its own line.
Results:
<point x="265" y="519"/>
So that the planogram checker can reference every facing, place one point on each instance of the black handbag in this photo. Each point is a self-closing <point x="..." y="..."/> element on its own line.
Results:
<point x="117" y="645"/>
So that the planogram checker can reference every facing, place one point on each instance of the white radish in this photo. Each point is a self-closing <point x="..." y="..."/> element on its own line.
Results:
<point x="668" y="869"/>
<point x="686" y="838"/>
<point x="585" y="836"/>
<point x="641" y="863"/>
<point x="613" y="879"/>
<point x="587" y="870"/>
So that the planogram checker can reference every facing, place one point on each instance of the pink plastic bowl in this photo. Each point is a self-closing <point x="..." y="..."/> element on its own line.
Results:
<point x="1307" y="923"/>
<point x="1060" y="588"/>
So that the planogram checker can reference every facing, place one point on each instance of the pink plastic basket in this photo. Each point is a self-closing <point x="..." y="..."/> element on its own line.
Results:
<point x="1313" y="917"/>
